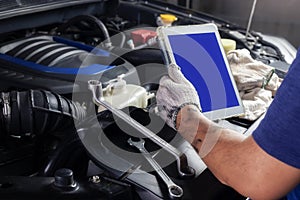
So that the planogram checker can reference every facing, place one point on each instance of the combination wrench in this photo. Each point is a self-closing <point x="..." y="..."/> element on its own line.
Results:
<point x="175" y="192"/>
<point x="184" y="170"/>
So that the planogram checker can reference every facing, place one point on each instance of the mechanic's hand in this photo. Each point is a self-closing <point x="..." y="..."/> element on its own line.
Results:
<point x="175" y="92"/>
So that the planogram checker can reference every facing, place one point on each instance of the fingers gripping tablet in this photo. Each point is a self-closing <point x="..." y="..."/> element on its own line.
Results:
<point x="198" y="51"/>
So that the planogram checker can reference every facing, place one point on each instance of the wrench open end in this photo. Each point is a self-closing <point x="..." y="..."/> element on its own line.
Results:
<point x="185" y="171"/>
<point x="138" y="144"/>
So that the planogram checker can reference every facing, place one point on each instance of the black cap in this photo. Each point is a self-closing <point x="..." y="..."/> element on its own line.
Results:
<point x="64" y="178"/>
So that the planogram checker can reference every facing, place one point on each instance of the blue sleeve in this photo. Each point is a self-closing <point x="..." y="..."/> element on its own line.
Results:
<point x="295" y="194"/>
<point x="279" y="132"/>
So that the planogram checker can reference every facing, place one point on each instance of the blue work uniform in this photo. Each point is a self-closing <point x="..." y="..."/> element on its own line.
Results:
<point x="279" y="132"/>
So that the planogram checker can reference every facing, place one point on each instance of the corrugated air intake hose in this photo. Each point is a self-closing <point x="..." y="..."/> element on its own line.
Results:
<point x="35" y="112"/>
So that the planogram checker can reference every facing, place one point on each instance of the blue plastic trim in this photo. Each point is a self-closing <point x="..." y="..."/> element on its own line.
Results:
<point x="93" y="69"/>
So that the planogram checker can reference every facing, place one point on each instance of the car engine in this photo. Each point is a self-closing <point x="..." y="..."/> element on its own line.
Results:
<point x="55" y="142"/>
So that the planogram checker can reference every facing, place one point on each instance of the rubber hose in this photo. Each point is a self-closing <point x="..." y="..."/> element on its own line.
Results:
<point x="88" y="18"/>
<point x="35" y="112"/>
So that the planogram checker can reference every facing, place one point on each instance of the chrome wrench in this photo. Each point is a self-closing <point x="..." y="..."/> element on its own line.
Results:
<point x="175" y="192"/>
<point x="182" y="164"/>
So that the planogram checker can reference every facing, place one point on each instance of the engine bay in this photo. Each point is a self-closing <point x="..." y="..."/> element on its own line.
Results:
<point x="55" y="143"/>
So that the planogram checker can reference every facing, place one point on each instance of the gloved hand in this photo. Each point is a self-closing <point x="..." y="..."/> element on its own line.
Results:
<point x="175" y="92"/>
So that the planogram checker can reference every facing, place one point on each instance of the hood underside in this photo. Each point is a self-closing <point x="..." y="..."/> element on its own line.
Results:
<point x="12" y="8"/>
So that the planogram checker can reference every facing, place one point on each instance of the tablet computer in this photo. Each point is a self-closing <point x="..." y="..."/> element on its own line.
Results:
<point x="198" y="51"/>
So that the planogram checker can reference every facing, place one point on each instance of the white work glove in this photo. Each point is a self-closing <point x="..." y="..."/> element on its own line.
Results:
<point x="175" y="92"/>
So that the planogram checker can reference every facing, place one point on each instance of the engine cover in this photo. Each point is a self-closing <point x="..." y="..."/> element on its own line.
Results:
<point x="54" y="63"/>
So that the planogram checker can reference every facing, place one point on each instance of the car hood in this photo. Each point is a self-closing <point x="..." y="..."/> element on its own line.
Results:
<point x="12" y="8"/>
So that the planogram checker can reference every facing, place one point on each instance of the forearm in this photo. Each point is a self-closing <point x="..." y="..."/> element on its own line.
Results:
<point x="202" y="133"/>
<point x="234" y="159"/>
<point x="215" y="145"/>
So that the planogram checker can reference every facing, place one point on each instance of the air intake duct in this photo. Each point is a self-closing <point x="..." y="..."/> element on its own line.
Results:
<point x="35" y="112"/>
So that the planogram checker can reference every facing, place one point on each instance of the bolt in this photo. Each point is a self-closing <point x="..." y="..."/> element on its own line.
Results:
<point x="95" y="179"/>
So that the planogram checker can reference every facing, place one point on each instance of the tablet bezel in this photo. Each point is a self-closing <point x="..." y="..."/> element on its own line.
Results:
<point x="163" y="33"/>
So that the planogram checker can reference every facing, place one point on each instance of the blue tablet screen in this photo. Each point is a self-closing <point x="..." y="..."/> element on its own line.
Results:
<point x="202" y="63"/>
